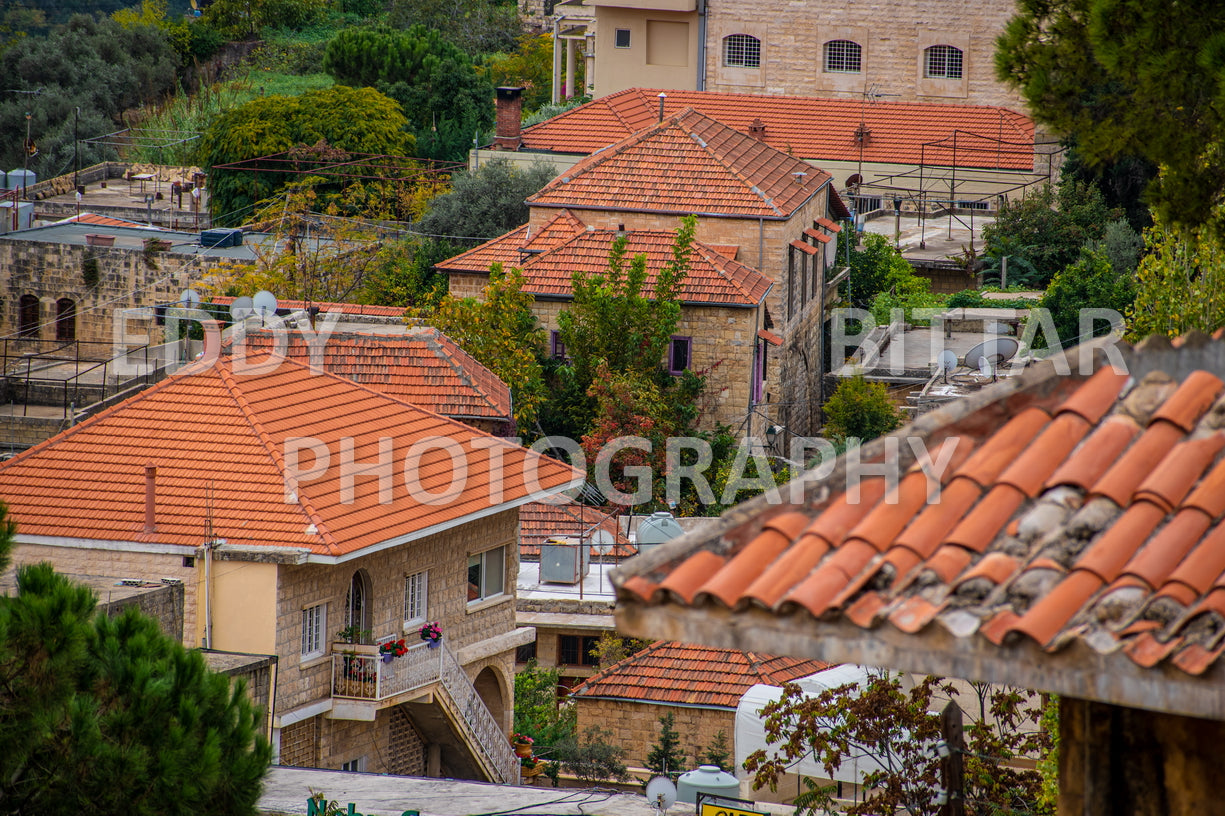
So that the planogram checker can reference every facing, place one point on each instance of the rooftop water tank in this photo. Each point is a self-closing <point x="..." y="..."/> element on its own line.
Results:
<point x="21" y="178"/>
<point x="564" y="561"/>
<point x="657" y="529"/>
<point x="4" y="180"/>
<point x="706" y="779"/>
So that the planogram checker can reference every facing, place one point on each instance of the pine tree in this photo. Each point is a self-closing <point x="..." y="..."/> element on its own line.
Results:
<point x="666" y="757"/>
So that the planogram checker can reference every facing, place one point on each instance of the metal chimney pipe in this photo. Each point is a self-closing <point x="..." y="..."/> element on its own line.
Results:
<point x="662" y="97"/>
<point x="150" y="499"/>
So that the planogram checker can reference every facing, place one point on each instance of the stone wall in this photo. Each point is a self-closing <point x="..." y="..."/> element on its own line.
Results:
<point x="892" y="34"/>
<point x="164" y="604"/>
<point x="635" y="726"/>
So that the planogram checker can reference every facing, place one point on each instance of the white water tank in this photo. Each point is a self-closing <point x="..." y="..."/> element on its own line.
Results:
<point x="657" y="529"/>
<point x="706" y="779"/>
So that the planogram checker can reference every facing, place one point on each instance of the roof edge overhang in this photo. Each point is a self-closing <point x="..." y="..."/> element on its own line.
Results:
<point x="319" y="558"/>
<point x="644" y="701"/>
<point x="678" y="213"/>
<point x="552" y="298"/>
<point x="1075" y="671"/>
<point x="151" y="547"/>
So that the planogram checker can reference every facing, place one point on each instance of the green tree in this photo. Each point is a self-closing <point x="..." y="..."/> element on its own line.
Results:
<point x="1129" y="78"/>
<point x="594" y="758"/>
<point x="404" y="274"/>
<point x="1180" y="283"/>
<point x="666" y="757"/>
<point x="861" y="410"/>
<point x="334" y="120"/>
<point x="613" y="648"/>
<point x="244" y="19"/>
<point x="502" y="334"/>
<point x="530" y="67"/>
<point x="877" y="267"/>
<point x="485" y="202"/>
<point x="478" y="27"/>
<point x="108" y="715"/>
<point x="539" y="713"/>
<point x="1090" y="283"/>
<point x="717" y="753"/>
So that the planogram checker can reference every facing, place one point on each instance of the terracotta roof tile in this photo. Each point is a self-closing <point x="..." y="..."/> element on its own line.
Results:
<point x="682" y="674"/>
<point x="563" y="517"/>
<point x="688" y="163"/>
<point x="713" y="277"/>
<point x="1065" y="523"/>
<point x="209" y="430"/>
<point x="812" y="128"/>
<point x="730" y="582"/>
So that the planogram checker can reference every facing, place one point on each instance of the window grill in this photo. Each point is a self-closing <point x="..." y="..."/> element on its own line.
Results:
<point x="943" y="62"/>
<point x="843" y="57"/>
<point x="741" y="51"/>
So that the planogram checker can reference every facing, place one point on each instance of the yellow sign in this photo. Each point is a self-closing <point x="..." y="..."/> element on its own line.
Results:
<point x="723" y="810"/>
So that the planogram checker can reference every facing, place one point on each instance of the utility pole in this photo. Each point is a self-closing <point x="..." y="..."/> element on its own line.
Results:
<point x="25" y="158"/>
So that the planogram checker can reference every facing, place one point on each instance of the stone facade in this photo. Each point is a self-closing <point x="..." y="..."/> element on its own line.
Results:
<point x="635" y="726"/>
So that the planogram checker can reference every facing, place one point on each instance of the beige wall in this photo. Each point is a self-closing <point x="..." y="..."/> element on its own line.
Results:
<point x="244" y="607"/>
<point x="891" y="33"/>
<point x="635" y="726"/>
<point x="663" y="50"/>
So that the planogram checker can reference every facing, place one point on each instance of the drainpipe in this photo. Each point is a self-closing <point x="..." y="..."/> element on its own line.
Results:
<point x="208" y="594"/>
<point x="701" y="45"/>
<point x="556" y="98"/>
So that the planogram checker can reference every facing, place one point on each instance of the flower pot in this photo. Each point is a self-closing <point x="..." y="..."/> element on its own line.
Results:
<point x="434" y="644"/>
<point x="523" y="749"/>
<point x="387" y="658"/>
<point x="528" y="773"/>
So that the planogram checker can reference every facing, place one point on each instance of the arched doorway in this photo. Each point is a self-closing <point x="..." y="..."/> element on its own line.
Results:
<point x="489" y="686"/>
<point x="357" y="606"/>
<point x="27" y="316"/>
<point x="65" y="320"/>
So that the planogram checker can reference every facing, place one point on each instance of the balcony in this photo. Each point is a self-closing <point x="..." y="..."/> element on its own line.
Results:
<point x="360" y="673"/>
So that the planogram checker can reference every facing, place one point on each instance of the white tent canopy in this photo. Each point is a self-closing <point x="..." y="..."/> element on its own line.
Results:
<point x="751" y="725"/>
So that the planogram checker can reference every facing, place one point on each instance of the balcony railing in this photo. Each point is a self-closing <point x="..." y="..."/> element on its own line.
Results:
<point x="363" y="676"/>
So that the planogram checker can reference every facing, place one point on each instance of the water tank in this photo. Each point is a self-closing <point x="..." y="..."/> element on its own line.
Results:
<point x="706" y="779"/>
<point x="21" y="178"/>
<point x="221" y="238"/>
<point x="563" y="561"/>
<point x="4" y="180"/>
<point x="24" y="218"/>
<point x="656" y="530"/>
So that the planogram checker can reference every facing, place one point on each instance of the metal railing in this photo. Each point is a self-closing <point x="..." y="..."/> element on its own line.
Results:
<point x="362" y="676"/>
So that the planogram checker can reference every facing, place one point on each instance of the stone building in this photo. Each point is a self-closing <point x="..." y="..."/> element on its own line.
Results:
<point x="312" y="519"/>
<point x="699" y="686"/>
<point x="722" y="299"/>
<point x="1075" y="547"/>
<point x="898" y="48"/>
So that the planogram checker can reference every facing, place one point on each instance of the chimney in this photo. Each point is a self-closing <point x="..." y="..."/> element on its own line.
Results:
<point x="150" y="499"/>
<point x="662" y="97"/>
<point x="509" y="119"/>
<point x="757" y="129"/>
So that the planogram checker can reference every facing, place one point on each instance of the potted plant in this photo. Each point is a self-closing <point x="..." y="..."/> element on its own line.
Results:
<point x="522" y="744"/>
<point x="392" y="649"/>
<point x="532" y="766"/>
<point x="431" y="633"/>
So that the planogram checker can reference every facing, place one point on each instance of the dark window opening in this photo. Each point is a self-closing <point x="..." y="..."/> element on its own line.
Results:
<point x="679" y="354"/>
<point x="27" y="316"/>
<point x="526" y="652"/>
<point x="576" y="650"/>
<point x="621" y="39"/>
<point x="65" y="320"/>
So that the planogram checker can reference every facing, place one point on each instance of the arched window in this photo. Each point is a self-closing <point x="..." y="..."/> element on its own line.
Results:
<point x="741" y="51"/>
<point x="942" y="62"/>
<point x="65" y="320"/>
<point x="843" y="57"/>
<point x="357" y="604"/>
<point x="27" y="316"/>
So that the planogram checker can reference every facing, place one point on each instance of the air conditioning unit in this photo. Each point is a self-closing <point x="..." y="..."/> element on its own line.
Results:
<point x="564" y="561"/>
<point x="221" y="238"/>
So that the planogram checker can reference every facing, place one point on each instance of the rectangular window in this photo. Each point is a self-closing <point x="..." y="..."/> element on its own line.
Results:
<point x="356" y="765"/>
<point x="679" y="354"/>
<point x="526" y="652"/>
<point x="314" y="625"/>
<point x="557" y="349"/>
<point x="486" y="574"/>
<point x="576" y="650"/>
<point x="416" y="592"/>
<point x="621" y="38"/>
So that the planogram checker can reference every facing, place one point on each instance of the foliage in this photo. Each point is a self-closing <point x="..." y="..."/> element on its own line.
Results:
<point x="404" y="275"/>
<point x="502" y="334"/>
<point x="1121" y="245"/>
<point x="876" y="267"/>
<point x="333" y="119"/>
<point x="717" y="753"/>
<point x="1048" y="764"/>
<point x="1180" y="283"/>
<point x="110" y="715"/>
<point x="1091" y="282"/>
<point x="861" y="410"/>
<point x="444" y="96"/>
<point x="1122" y="181"/>
<point x="96" y="65"/>
<point x="538" y="712"/>
<point x="478" y="27"/>
<point x="666" y="757"/>
<point x="594" y="758"/>
<point x="484" y="203"/>
<point x="1129" y="78"/>
<point x="613" y="648"/>
<point x="243" y="19"/>
<point x="546" y="112"/>
<point x="970" y="298"/>
<point x="886" y="303"/>
<point x="1043" y="232"/>
<point x="1007" y="727"/>
<point x="530" y="66"/>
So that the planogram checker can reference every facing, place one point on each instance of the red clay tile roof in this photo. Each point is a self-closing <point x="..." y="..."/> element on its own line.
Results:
<point x="682" y="674"/>
<point x="105" y="221"/>
<point x="424" y="367"/>
<point x="1077" y="513"/>
<point x="688" y="163"/>
<point x="564" y="517"/>
<point x="713" y="277"/>
<point x="287" y="306"/>
<point x="811" y="128"/>
<point x="211" y="430"/>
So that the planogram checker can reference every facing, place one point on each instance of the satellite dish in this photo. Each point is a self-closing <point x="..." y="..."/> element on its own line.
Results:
<point x="854" y="180"/>
<point x="602" y="541"/>
<point x="993" y="352"/>
<point x="661" y="793"/>
<point x="264" y="303"/>
<point x="947" y="363"/>
<point x="189" y="299"/>
<point x="242" y="308"/>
